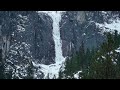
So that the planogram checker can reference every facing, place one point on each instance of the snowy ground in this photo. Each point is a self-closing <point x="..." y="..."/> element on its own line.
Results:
<point x="53" y="69"/>
<point x="76" y="76"/>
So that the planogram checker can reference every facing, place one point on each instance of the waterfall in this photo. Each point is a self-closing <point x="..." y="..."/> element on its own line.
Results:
<point x="53" y="69"/>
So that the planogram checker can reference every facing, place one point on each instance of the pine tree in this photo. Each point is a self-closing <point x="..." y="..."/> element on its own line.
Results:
<point x="8" y="75"/>
<point x="82" y="55"/>
<point x="48" y="76"/>
<point x="30" y="71"/>
<point x="87" y="58"/>
<point x="116" y="38"/>
<point x="1" y="66"/>
<point x="102" y="65"/>
<point x="60" y="75"/>
<point x="68" y="67"/>
<point x="118" y="65"/>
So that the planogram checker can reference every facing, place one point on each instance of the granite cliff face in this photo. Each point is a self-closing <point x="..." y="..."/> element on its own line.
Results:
<point x="29" y="36"/>
<point x="77" y="28"/>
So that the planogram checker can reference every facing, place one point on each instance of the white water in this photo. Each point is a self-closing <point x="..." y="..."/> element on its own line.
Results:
<point x="53" y="69"/>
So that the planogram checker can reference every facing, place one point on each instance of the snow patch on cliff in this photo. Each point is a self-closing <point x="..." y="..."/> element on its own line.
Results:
<point x="115" y="25"/>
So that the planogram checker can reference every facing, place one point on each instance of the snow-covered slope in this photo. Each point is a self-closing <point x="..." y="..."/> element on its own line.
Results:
<point x="110" y="27"/>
